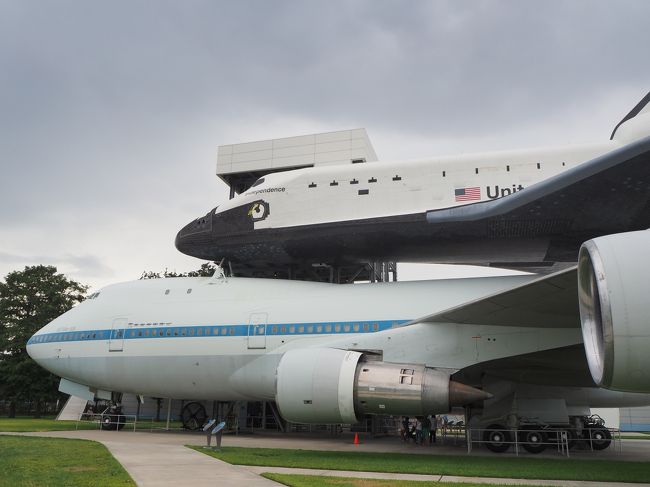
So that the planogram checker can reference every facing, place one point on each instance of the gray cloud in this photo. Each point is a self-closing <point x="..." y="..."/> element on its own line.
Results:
<point x="82" y="265"/>
<point x="113" y="109"/>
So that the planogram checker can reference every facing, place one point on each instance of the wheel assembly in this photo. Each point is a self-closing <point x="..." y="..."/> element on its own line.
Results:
<point x="497" y="438"/>
<point x="533" y="441"/>
<point x="599" y="438"/>
<point x="107" y="422"/>
<point x="193" y="416"/>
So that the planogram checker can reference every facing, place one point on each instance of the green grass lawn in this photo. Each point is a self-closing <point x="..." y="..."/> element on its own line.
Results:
<point x="24" y="424"/>
<point x="463" y="465"/>
<point x="318" y="480"/>
<point x="635" y="436"/>
<point x="42" y="462"/>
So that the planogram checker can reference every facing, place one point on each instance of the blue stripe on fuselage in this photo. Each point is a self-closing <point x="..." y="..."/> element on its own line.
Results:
<point x="139" y="332"/>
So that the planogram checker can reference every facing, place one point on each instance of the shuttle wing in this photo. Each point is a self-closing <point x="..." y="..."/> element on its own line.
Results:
<point x="611" y="191"/>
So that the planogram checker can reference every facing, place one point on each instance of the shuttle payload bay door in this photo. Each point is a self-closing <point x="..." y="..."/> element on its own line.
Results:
<point x="118" y="330"/>
<point x="257" y="330"/>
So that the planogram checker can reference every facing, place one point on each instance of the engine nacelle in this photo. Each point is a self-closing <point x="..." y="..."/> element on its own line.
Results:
<point x="326" y="385"/>
<point x="614" y="298"/>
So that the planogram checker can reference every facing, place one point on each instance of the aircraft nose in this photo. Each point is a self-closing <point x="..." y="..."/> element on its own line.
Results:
<point x="33" y="343"/>
<point x="194" y="238"/>
<point x="226" y="234"/>
<point x="30" y="346"/>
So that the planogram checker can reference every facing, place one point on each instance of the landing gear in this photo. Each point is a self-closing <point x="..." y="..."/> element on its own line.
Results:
<point x="595" y="433"/>
<point x="599" y="438"/>
<point x="112" y="422"/>
<point x="112" y="418"/>
<point x="497" y="438"/>
<point x="193" y="416"/>
<point x="533" y="441"/>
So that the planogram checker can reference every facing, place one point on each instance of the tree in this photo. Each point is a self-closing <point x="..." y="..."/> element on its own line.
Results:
<point x="207" y="269"/>
<point x="30" y="299"/>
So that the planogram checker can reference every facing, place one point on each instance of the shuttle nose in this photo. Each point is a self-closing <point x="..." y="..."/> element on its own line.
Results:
<point x="194" y="238"/>
<point x="227" y="234"/>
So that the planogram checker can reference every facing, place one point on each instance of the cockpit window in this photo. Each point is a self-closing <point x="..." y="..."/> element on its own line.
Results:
<point x="258" y="182"/>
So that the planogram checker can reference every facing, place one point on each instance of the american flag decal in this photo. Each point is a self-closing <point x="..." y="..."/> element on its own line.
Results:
<point x="468" y="194"/>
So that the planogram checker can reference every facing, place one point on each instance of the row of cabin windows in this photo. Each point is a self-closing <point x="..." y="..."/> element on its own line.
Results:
<point x="356" y="327"/>
<point x="193" y="331"/>
<point x="200" y="331"/>
<point x="282" y="329"/>
<point x="71" y="336"/>
<point x="398" y="178"/>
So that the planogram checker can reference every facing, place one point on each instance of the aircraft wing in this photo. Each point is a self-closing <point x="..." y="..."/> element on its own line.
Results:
<point x="548" y="302"/>
<point x="608" y="194"/>
<point x="566" y="366"/>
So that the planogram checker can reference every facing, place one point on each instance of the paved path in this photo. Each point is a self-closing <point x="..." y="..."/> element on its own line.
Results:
<point x="161" y="458"/>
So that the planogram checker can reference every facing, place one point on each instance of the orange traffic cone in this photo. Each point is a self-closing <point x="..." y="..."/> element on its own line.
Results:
<point x="356" y="438"/>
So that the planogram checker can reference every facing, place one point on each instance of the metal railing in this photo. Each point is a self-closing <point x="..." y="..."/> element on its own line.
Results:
<point x="115" y="422"/>
<point x="537" y="440"/>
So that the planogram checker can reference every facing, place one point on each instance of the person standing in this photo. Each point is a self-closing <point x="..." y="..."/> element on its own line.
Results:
<point x="404" y="430"/>
<point x="418" y="431"/>
<point x="433" y="420"/>
<point x="426" y="429"/>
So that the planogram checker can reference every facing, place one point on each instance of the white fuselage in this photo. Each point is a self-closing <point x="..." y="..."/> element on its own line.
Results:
<point x="223" y="338"/>
<point x="345" y="192"/>
<point x="220" y="338"/>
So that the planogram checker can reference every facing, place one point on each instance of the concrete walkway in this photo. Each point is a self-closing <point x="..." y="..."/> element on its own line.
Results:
<point x="154" y="459"/>
<point x="161" y="459"/>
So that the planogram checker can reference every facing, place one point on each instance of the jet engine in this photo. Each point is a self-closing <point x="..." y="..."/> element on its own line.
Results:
<point x="614" y="299"/>
<point x="326" y="385"/>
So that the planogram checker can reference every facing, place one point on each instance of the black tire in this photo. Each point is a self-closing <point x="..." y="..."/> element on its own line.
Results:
<point x="193" y="416"/>
<point x="532" y="440"/>
<point x="497" y="438"/>
<point x="112" y="422"/>
<point x="600" y="438"/>
<point x="108" y="422"/>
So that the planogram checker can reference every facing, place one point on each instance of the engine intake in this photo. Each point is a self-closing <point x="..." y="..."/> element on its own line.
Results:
<point x="325" y="385"/>
<point x="613" y="278"/>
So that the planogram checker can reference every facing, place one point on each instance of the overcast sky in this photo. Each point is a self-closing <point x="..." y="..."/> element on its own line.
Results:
<point x="111" y="112"/>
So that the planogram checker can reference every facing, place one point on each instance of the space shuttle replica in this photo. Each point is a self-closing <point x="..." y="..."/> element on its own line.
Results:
<point x="518" y="209"/>
<point x="525" y="356"/>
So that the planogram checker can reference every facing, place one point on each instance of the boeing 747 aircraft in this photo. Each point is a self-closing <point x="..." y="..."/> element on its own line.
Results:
<point x="518" y="209"/>
<point x="509" y="347"/>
